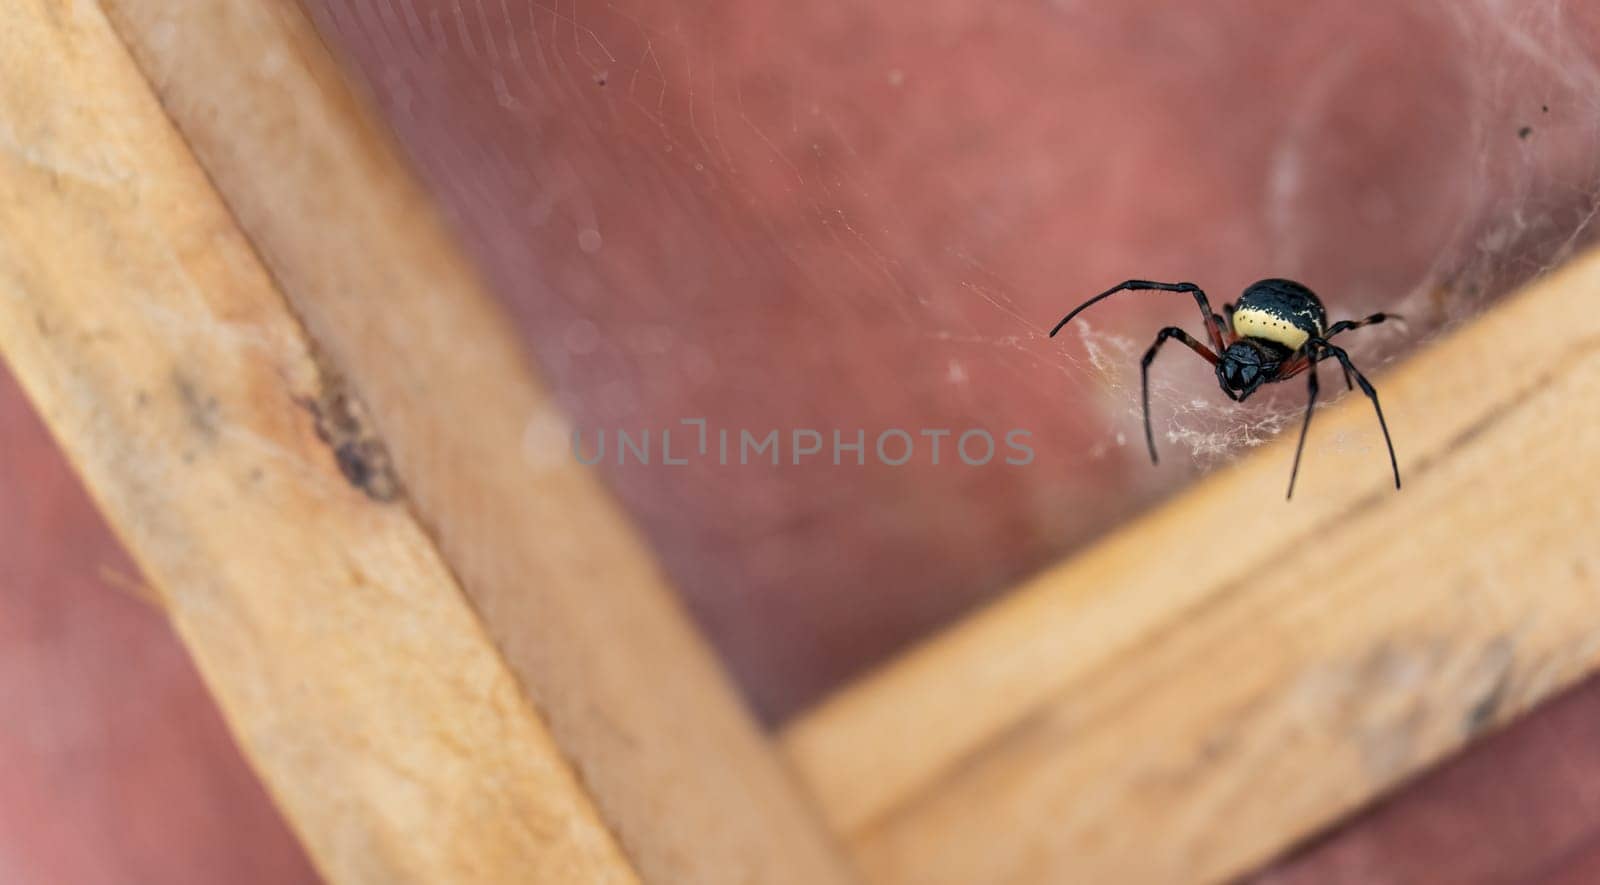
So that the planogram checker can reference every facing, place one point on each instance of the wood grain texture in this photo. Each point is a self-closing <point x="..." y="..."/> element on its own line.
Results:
<point x="1232" y="672"/>
<point x="1521" y="805"/>
<point x="350" y="665"/>
<point x="692" y="788"/>
<point x="117" y="766"/>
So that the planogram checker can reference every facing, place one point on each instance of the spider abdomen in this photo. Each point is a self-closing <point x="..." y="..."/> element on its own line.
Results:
<point x="1281" y="311"/>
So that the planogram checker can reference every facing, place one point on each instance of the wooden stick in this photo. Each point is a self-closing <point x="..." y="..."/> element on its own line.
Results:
<point x="354" y="672"/>
<point x="425" y="401"/>
<point x="1233" y="672"/>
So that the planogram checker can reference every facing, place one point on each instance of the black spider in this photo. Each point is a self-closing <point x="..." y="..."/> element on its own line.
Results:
<point x="1276" y="331"/>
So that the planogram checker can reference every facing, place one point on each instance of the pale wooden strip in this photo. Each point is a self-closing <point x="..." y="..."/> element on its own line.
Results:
<point x="354" y="673"/>
<point x="695" y="791"/>
<point x="1233" y="671"/>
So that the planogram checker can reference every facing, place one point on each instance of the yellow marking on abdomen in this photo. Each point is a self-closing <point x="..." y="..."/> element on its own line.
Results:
<point x="1250" y="323"/>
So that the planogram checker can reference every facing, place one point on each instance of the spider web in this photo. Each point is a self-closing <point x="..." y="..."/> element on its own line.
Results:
<point x="1523" y="75"/>
<point x="909" y="197"/>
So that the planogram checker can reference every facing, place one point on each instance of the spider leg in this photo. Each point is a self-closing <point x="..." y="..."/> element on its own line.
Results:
<point x="1300" y="363"/>
<point x="1366" y="388"/>
<point x="1294" y="366"/>
<point x="1212" y="329"/>
<point x="1347" y="325"/>
<point x="1144" y="375"/>
<point x="1311" y="402"/>
<point x="1224" y="328"/>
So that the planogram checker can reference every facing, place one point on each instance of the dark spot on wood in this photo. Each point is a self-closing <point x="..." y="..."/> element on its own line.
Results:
<point x="199" y="407"/>
<point x="1524" y="132"/>
<point x="360" y="455"/>
<point x="1499" y="658"/>
<point x="354" y="463"/>
<point x="1482" y="714"/>
<point x="1214" y="747"/>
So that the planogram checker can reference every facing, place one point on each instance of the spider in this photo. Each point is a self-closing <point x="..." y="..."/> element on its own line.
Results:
<point x="1278" y="329"/>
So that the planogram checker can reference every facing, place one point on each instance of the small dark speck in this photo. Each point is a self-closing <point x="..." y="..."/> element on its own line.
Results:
<point x="599" y="79"/>
<point x="1524" y="132"/>
<point x="1500" y="657"/>
<point x="200" y="408"/>
<point x="358" y="452"/>
<point x="1482" y="714"/>
<point x="1544" y="109"/>
<point x="353" y="464"/>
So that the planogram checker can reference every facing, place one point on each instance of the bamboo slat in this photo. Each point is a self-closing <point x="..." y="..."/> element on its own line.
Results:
<point x="245" y="482"/>
<point x="424" y="401"/>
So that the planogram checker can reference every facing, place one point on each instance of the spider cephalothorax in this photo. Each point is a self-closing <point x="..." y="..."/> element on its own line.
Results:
<point x="1277" y="330"/>
<point x="1247" y="364"/>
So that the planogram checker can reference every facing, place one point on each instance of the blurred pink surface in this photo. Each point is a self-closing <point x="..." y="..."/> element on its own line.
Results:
<point x="784" y="215"/>
<point x="865" y="216"/>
